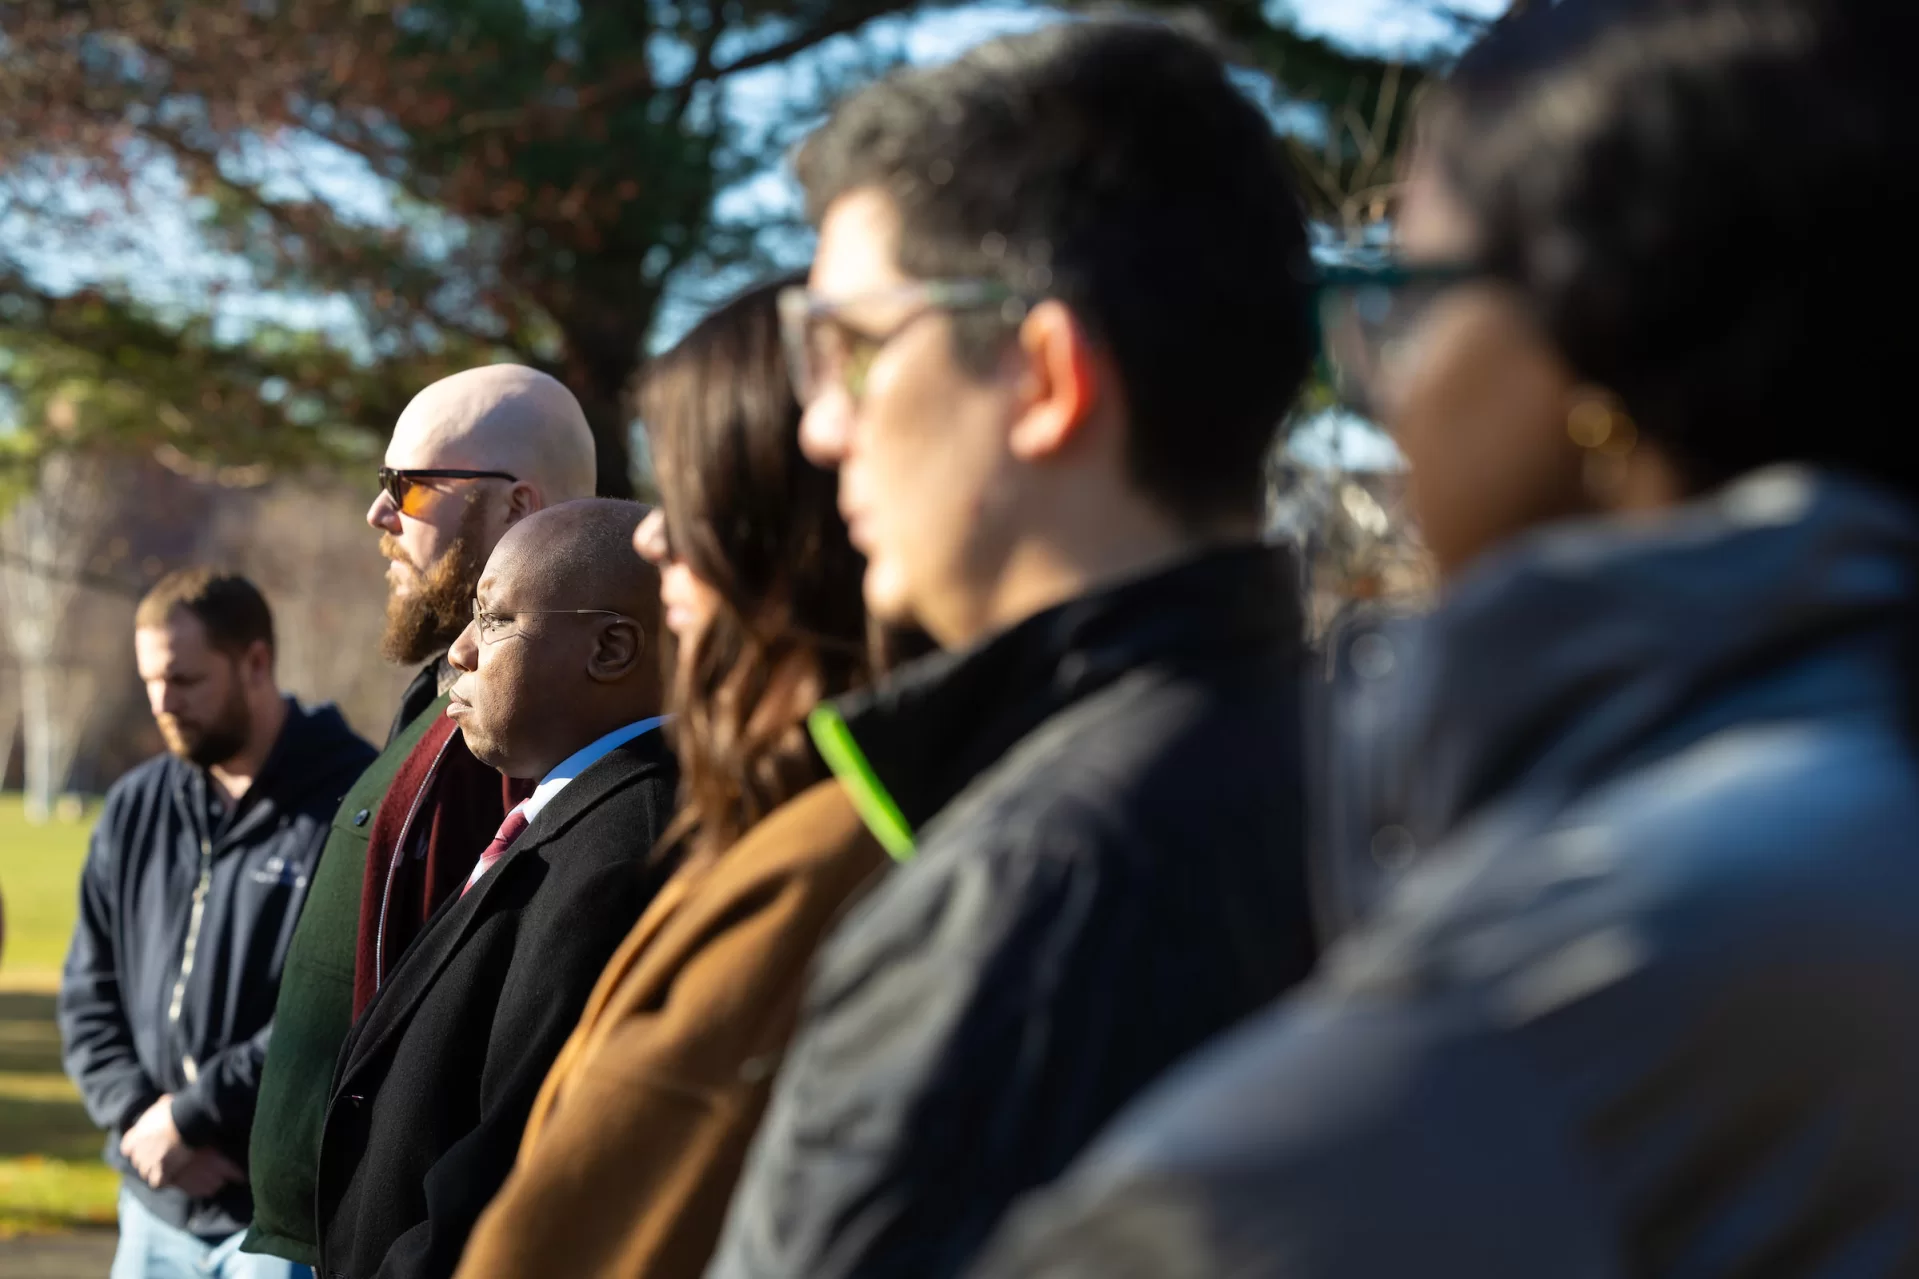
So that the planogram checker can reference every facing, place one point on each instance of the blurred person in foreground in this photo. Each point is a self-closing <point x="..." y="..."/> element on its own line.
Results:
<point x="193" y="880"/>
<point x="558" y="679"/>
<point x="1059" y="308"/>
<point x="472" y="456"/>
<point x="640" y="1131"/>
<point x="1644" y="1004"/>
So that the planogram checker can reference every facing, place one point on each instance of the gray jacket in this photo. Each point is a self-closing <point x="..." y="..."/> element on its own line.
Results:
<point x="174" y="967"/>
<point x="1645" y="1003"/>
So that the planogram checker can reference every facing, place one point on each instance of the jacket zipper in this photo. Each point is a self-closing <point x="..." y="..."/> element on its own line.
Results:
<point x="191" y="1070"/>
<point x="393" y="864"/>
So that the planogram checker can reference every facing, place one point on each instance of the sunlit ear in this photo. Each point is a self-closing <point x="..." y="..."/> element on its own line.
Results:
<point x="522" y="500"/>
<point x="617" y="651"/>
<point x="1061" y="381"/>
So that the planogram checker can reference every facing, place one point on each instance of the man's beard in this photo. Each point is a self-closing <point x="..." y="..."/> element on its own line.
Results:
<point x="217" y="742"/>
<point x="428" y="620"/>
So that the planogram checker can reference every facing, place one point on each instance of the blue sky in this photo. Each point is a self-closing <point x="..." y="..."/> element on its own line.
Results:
<point x="1382" y="24"/>
<point x="1372" y="25"/>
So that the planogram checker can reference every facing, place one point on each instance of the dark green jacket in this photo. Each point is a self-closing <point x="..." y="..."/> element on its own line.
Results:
<point x="313" y="1016"/>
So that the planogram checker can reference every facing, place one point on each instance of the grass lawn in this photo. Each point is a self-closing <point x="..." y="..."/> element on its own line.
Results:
<point x="51" y="1177"/>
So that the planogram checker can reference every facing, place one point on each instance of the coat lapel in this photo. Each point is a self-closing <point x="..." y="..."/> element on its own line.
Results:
<point x="421" y="966"/>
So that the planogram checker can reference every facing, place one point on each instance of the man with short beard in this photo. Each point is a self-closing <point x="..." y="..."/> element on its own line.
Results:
<point x="471" y="456"/>
<point x="196" y="874"/>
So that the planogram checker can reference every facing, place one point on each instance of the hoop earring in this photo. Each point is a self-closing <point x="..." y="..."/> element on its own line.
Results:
<point x="1606" y="434"/>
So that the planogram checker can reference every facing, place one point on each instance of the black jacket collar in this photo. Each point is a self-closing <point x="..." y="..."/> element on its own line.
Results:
<point x="620" y="767"/>
<point x="939" y="722"/>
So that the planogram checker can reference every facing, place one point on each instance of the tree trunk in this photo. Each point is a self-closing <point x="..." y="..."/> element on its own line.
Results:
<point x="607" y="415"/>
<point x="40" y="733"/>
<point x="605" y="332"/>
<point x="48" y="536"/>
<point x="9" y="721"/>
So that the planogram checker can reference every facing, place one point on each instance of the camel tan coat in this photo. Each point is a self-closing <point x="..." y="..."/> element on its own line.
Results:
<point x="641" y="1129"/>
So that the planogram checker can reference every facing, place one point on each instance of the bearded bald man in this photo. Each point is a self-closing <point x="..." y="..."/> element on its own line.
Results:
<point x="472" y="456"/>
<point x="557" y="680"/>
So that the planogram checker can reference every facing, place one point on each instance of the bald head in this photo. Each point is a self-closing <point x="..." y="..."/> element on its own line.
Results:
<point x="580" y="555"/>
<point x="500" y="417"/>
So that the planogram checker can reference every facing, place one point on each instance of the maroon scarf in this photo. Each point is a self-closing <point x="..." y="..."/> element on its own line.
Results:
<point x="460" y="804"/>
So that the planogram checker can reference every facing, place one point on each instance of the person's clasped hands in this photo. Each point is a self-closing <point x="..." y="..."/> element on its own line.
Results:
<point x="161" y="1156"/>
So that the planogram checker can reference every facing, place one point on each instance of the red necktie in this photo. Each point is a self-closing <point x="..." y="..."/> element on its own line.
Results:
<point x="510" y="829"/>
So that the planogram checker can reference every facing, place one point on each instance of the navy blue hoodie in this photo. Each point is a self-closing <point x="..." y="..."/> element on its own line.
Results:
<point x="185" y="916"/>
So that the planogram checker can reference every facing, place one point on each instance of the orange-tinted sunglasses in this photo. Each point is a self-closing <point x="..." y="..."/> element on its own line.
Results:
<point x="410" y="496"/>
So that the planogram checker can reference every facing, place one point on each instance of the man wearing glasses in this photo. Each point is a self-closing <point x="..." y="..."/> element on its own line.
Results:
<point x="558" y="680"/>
<point x="1059" y="308"/>
<point x="471" y="457"/>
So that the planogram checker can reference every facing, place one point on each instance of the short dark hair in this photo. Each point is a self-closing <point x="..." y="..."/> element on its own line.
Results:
<point x="1113" y="165"/>
<point x="1678" y="192"/>
<point x="230" y="607"/>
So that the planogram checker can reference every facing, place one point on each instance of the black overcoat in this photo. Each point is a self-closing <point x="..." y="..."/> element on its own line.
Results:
<point x="435" y="1081"/>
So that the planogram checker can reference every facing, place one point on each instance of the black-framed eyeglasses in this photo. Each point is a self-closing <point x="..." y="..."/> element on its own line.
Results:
<point x="1369" y="320"/>
<point x="494" y="625"/>
<point x="410" y="496"/>
<point x="825" y="351"/>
